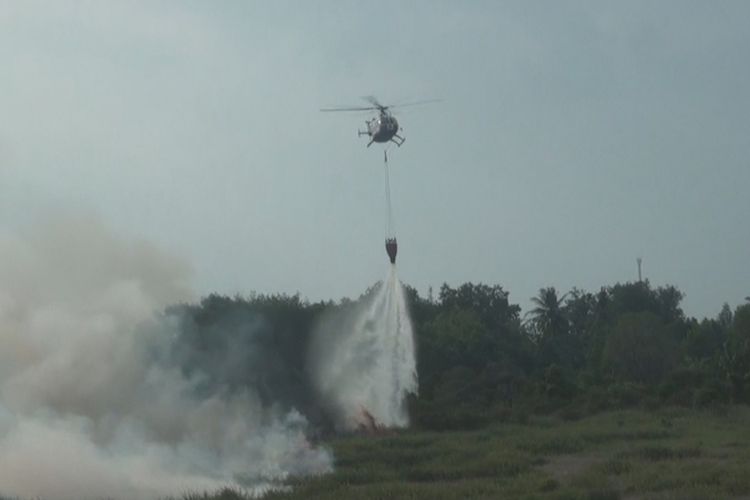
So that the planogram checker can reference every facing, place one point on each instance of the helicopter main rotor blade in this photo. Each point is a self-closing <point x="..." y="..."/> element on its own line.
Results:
<point x="415" y="103"/>
<point x="369" y="108"/>
<point x="372" y="100"/>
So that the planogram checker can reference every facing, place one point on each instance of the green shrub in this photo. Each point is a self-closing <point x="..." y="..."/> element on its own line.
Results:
<point x="625" y="394"/>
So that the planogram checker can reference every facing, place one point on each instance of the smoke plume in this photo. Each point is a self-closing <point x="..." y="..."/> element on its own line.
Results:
<point x="92" y="401"/>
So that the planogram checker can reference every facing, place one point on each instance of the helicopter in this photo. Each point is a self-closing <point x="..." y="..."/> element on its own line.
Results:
<point x="384" y="127"/>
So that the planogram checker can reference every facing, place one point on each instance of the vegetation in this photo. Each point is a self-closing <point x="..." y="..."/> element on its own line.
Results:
<point x="480" y="361"/>
<point x="668" y="454"/>
<point x="628" y="345"/>
<point x="672" y="453"/>
<point x="606" y="394"/>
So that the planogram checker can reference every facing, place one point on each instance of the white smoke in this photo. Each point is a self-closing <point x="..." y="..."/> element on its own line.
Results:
<point x="364" y="360"/>
<point x="88" y="410"/>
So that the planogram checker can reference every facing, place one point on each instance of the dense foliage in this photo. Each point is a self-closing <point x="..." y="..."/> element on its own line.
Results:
<point x="481" y="361"/>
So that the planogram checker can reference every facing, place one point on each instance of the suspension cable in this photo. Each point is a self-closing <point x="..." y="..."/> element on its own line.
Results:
<point x="388" y="208"/>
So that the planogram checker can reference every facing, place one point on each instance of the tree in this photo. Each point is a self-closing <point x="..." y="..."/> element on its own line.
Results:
<point x="668" y="300"/>
<point x="725" y="316"/>
<point x="640" y="297"/>
<point x="741" y="322"/>
<point x="490" y="303"/>
<point x="580" y="311"/>
<point x="551" y="327"/>
<point x="460" y="338"/>
<point x="705" y="339"/>
<point x="640" y="348"/>
<point x="735" y="356"/>
<point x="548" y="317"/>
<point x="453" y="338"/>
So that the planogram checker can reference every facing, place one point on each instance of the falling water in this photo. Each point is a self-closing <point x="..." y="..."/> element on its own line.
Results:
<point x="365" y="359"/>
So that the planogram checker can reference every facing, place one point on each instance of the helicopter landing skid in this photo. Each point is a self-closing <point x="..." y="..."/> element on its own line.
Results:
<point x="398" y="140"/>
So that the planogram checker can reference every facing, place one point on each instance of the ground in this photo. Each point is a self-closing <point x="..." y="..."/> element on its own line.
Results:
<point x="667" y="454"/>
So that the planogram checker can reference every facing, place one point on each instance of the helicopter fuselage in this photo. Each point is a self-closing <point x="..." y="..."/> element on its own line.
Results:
<point x="383" y="128"/>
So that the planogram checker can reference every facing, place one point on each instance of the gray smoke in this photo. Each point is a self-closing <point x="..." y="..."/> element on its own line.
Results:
<point x="88" y="406"/>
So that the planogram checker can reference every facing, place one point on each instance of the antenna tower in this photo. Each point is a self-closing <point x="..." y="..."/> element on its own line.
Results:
<point x="639" y="260"/>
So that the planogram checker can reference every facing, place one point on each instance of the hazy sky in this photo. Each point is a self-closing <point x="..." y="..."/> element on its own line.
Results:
<point x="573" y="137"/>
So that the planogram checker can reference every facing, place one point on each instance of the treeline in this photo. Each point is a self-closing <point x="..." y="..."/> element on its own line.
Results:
<point x="481" y="360"/>
<point x="625" y="345"/>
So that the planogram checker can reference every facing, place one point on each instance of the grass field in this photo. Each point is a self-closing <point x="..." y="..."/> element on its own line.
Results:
<point x="667" y="454"/>
<point x="670" y="454"/>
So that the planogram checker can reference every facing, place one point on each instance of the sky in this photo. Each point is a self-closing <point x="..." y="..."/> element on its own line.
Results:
<point x="572" y="137"/>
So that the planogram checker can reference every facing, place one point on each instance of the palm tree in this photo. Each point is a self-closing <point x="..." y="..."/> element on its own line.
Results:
<point x="548" y="317"/>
